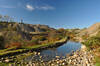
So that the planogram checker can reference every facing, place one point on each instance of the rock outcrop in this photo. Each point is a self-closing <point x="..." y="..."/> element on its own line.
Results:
<point x="21" y="30"/>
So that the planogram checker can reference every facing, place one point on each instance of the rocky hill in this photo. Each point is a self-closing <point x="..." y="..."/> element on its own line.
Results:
<point x="14" y="30"/>
<point x="92" y="30"/>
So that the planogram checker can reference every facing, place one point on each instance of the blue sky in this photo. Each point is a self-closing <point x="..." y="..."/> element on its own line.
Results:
<point x="55" y="13"/>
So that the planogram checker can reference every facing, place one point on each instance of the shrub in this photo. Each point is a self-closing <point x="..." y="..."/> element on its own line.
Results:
<point x="92" y="42"/>
<point x="13" y="44"/>
<point x="42" y="38"/>
<point x="30" y="44"/>
<point x="1" y="42"/>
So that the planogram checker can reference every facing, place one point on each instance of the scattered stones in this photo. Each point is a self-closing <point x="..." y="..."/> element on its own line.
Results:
<point x="78" y="58"/>
<point x="81" y="58"/>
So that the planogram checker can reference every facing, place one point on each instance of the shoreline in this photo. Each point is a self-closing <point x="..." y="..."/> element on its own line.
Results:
<point x="80" y="57"/>
<point x="38" y="48"/>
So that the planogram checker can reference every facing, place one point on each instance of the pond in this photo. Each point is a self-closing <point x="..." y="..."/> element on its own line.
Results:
<point x="60" y="51"/>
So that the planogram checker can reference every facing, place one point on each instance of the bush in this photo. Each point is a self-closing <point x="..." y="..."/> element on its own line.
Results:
<point x="92" y="42"/>
<point x="30" y="44"/>
<point x="42" y="38"/>
<point x="1" y="42"/>
<point x="13" y="44"/>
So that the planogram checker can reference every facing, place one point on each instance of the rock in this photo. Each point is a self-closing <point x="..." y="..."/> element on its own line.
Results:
<point x="7" y="60"/>
<point x="57" y="56"/>
<point x="63" y="63"/>
<point x="35" y="53"/>
<point x="38" y="53"/>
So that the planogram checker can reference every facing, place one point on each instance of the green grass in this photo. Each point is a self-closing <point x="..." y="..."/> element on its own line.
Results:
<point x="97" y="64"/>
<point x="97" y="59"/>
<point x="4" y="64"/>
<point x="43" y="45"/>
<point x="13" y="51"/>
<point x="38" y="46"/>
<point x="7" y="64"/>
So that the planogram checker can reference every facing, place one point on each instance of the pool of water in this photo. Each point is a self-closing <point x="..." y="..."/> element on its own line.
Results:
<point x="60" y="51"/>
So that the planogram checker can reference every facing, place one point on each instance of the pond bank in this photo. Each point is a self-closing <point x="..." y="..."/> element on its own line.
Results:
<point x="35" y="48"/>
<point x="81" y="57"/>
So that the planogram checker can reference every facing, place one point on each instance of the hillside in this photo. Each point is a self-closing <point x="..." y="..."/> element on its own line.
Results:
<point x="24" y="27"/>
<point x="21" y="29"/>
<point x="92" y="41"/>
<point x="92" y="30"/>
<point x="22" y="35"/>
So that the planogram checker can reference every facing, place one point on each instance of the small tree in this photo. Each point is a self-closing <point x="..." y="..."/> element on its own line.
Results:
<point x="0" y="17"/>
<point x="11" y="19"/>
<point x="6" y="18"/>
<point x="1" y="42"/>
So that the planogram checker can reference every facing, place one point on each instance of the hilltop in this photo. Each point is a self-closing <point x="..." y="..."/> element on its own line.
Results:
<point x="24" y="30"/>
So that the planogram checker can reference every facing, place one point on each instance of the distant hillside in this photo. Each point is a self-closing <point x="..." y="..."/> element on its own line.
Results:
<point x="91" y="31"/>
<point x="13" y="34"/>
<point x="25" y="27"/>
<point x="14" y="30"/>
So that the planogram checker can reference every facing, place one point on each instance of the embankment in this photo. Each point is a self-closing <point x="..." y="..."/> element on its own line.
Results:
<point x="35" y="48"/>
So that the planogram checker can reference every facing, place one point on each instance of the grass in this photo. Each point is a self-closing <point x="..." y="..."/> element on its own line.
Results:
<point x="44" y="45"/>
<point x="4" y="64"/>
<point x="97" y="60"/>
<point x="37" y="46"/>
<point x="97" y="64"/>
<point x="7" y="64"/>
<point x="12" y="51"/>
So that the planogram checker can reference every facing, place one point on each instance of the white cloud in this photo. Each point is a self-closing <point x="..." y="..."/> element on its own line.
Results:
<point x="29" y="7"/>
<point x="45" y="8"/>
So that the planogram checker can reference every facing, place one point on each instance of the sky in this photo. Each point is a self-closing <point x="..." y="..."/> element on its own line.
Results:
<point x="55" y="13"/>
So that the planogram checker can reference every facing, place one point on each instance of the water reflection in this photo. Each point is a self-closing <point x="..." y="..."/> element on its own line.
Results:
<point x="62" y="50"/>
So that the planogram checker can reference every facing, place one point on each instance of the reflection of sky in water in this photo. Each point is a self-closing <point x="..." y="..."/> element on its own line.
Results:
<point x="62" y="50"/>
<point x="59" y="51"/>
<point x="68" y="47"/>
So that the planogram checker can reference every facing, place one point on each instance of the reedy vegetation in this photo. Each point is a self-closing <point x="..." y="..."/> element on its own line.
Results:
<point x="93" y="44"/>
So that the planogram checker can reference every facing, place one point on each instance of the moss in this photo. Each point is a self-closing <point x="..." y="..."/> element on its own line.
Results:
<point x="97" y="59"/>
<point x="4" y="64"/>
<point x="97" y="64"/>
<point x="7" y="64"/>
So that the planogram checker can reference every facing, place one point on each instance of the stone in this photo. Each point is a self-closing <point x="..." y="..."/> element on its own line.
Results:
<point x="38" y="53"/>
<point x="7" y="60"/>
<point x="57" y="57"/>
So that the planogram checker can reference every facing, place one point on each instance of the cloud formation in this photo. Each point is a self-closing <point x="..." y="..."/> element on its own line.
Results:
<point x="45" y="7"/>
<point x="29" y="7"/>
